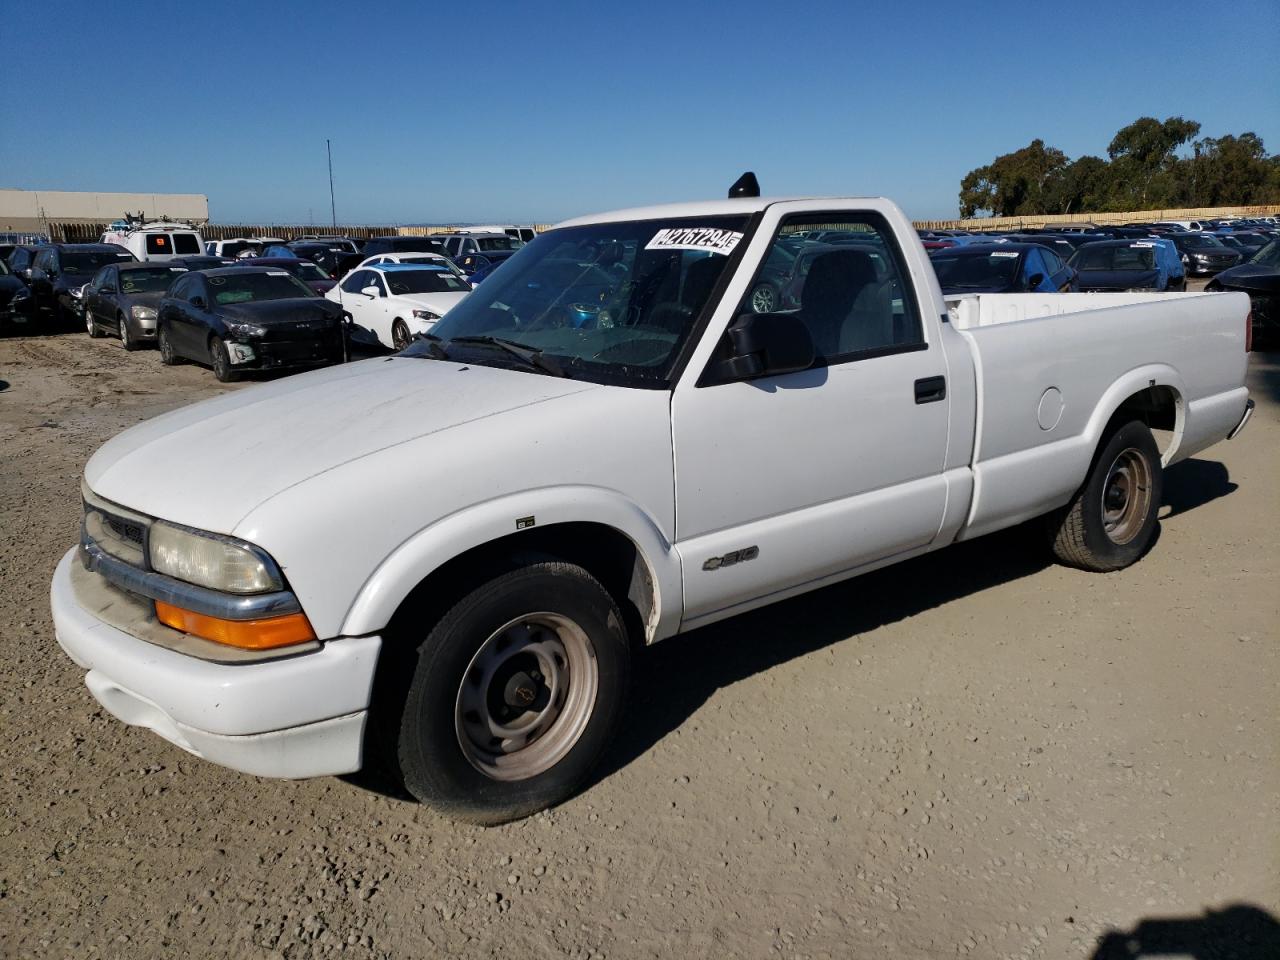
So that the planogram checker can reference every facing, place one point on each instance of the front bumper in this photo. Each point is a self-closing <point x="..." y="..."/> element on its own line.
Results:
<point x="291" y="717"/>
<point x="280" y="354"/>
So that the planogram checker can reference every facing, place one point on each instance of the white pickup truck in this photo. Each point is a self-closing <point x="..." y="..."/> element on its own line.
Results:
<point x="445" y="557"/>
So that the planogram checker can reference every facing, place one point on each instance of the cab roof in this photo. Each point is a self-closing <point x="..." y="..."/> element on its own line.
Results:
<point x="704" y="208"/>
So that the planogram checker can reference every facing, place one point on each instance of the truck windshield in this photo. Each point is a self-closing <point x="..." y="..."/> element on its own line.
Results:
<point x="609" y="302"/>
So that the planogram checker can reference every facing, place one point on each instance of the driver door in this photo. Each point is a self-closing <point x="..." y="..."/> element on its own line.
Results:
<point x="791" y="480"/>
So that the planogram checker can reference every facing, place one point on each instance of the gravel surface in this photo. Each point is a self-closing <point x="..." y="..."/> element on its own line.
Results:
<point x="971" y="753"/>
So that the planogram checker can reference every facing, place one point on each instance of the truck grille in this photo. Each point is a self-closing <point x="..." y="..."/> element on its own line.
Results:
<point x="116" y="532"/>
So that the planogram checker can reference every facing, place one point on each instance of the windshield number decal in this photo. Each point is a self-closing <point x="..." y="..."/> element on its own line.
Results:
<point x="710" y="239"/>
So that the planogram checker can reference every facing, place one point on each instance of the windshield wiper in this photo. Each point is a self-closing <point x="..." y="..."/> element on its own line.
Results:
<point x="435" y="348"/>
<point x="530" y="356"/>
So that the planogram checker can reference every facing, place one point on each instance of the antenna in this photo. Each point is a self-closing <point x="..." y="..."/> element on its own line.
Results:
<point x="745" y="186"/>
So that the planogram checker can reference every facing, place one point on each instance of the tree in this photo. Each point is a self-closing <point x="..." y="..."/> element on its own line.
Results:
<point x="1083" y="184"/>
<point x="1144" y="162"/>
<point x="1013" y="184"/>
<point x="1232" y="170"/>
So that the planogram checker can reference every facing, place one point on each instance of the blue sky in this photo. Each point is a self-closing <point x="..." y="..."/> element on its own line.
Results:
<point x="540" y="111"/>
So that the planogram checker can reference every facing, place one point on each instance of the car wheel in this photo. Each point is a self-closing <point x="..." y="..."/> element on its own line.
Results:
<point x="126" y="339"/>
<point x="517" y="690"/>
<point x="399" y="335"/>
<point x="221" y="361"/>
<point x="167" y="354"/>
<point x="764" y="299"/>
<point x="92" y="327"/>
<point x="1110" y="522"/>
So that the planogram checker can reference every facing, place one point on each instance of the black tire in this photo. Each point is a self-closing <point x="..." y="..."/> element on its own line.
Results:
<point x="400" y="337"/>
<point x="436" y="750"/>
<point x="127" y="341"/>
<point x="1112" y="519"/>
<point x="92" y="327"/>
<point x="220" y="360"/>
<point x="167" y="354"/>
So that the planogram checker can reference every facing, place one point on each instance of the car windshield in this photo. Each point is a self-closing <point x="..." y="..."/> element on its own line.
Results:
<point x="254" y="287"/>
<point x="89" y="261"/>
<point x="307" y="271"/>
<point x="425" y="280"/>
<point x="150" y="280"/>
<point x="498" y="243"/>
<point x="609" y="302"/>
<point x="968" y="272"/>
<point x="434" y="260"/>
<point x="1195" y="240"/>
<point x="1127" y="257"/>
<point x="1268" y="256"/>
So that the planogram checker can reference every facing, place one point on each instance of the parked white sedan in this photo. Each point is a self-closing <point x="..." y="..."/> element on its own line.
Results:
<point x="391" y="302"/>
<point x="415" y="256"/>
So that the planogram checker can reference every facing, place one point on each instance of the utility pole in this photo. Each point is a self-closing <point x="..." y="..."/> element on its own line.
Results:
<point x="332" y="209"/>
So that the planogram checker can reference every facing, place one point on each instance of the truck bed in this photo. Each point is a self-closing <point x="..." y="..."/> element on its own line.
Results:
<point x="1047" y="364"/>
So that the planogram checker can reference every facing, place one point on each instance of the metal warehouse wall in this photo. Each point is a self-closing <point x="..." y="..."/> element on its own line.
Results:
<point x="32" y="209"/>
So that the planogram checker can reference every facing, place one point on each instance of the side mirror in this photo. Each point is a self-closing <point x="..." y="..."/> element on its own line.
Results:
<point x="767" y="345"/>
<point x="1035" y="280"/>
<point x="198" y="302"/>
<point x="371" y="292"/>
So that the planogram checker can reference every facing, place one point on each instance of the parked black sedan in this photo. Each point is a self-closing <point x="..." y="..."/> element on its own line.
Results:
<point x="123" y="300"/>
<point x="61" y="269"/>
<point x="1202" y="253"/>
<point x="1260" y="279"/>
<point x="248" y="318"/>
<point x="15" y="299"/>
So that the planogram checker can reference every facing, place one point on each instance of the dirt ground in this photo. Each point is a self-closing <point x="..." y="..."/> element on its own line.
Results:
<point x="975" y="753"/>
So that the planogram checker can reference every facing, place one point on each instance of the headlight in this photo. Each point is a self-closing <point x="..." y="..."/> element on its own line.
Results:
<point x="247" y="329"/>
<point x="426" y="315"/>
<point x="209" y="560"/>
<point x="143" y="313"/>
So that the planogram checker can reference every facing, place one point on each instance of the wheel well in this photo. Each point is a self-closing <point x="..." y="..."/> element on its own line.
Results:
<point x="607" y="554"/>
<point x="1160" y="408"/>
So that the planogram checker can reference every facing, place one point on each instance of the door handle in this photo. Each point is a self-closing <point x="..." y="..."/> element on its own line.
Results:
<point x="931" y="389"/>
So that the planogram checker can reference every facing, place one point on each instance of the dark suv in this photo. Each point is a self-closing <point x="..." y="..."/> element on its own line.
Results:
<point x="61" y="269"/>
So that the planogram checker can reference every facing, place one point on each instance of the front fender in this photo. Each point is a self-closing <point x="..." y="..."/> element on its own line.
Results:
<point x="450" y="536"/>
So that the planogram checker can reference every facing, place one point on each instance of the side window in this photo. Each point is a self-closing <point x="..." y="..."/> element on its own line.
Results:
<point x="378" y="281"/>
<point x="180" y="289"/>
<point x="356" y="282"/>
<point x="100" y="279"/>
<point x="197" y="289"/>
<point x="851" y="289"/>
<point x="1053" y="262"/>
<point x="44" y="259"/>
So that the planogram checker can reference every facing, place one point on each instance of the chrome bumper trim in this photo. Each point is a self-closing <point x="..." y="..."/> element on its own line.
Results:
<point x="1248" y="412"/>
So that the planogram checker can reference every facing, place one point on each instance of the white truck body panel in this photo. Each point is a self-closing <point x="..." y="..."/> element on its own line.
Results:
<point x="361" y="480"/>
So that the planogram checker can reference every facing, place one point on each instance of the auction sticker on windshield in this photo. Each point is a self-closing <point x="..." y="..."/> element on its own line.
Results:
<point x="710" y="239"/>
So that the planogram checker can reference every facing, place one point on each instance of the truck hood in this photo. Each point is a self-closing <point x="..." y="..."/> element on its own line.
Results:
<point x="210" y="464"/>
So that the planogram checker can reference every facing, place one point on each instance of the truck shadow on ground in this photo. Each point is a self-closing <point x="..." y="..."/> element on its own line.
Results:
<point x="1238" y="932"/>
<point x="671" y="680"/>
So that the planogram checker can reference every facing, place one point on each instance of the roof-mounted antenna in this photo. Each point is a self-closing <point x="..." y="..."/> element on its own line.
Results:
<point x="745" y="186"/>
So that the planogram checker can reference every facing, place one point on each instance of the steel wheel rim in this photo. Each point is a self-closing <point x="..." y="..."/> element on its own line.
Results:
<point x="499" y="736"/>
<point x="762" y="300"/>
<point x="1126" y="496"/>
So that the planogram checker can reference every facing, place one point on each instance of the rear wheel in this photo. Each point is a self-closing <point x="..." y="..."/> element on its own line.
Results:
<point x="1111" y="521"/>
<point x="221" y="361"/>
<point x="516" y="692"/>
<point x="399" y="335"/>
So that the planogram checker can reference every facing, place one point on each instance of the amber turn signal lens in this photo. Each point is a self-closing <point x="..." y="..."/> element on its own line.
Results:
<point x="247" y="634"/>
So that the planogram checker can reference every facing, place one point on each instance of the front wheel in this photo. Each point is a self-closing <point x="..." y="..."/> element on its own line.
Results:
<point x="127" y="340"/>
<point x="89" y="325"/>
<point x="168" y="356"/>
<point x="1110" y="522"/>
<point x="220" y="359"/>
<point x="764" y="299"/>
<point x="516" y="693"/>
<point x="399" y="335"/>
